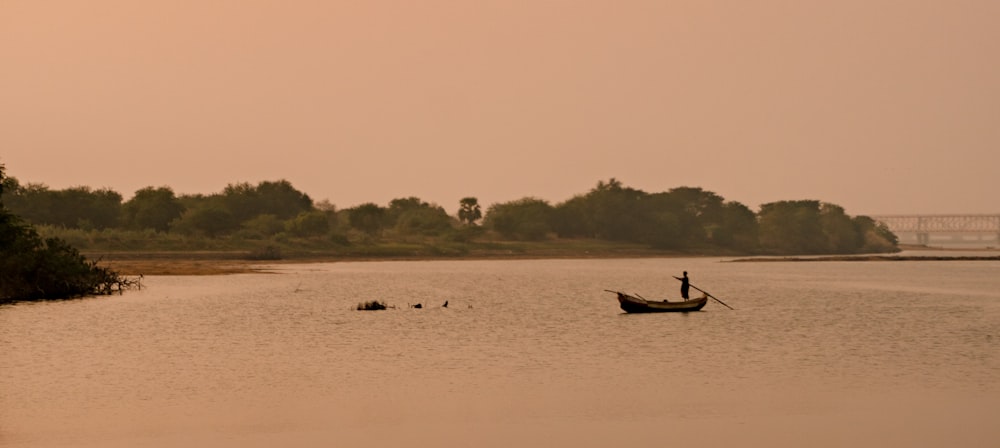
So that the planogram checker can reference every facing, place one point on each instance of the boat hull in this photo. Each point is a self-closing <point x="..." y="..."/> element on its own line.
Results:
<point x="632" y="304"/>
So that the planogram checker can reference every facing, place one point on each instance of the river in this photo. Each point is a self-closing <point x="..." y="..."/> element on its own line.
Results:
<point x="528" y="353"/>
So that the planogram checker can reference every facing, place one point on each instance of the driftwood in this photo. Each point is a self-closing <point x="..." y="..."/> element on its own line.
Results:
<point x="371" y="305"/>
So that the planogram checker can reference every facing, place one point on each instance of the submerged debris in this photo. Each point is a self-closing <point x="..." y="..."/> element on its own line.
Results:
<point x="371" y="305"/>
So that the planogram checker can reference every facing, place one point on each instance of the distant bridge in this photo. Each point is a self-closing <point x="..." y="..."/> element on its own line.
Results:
<point x="955" y="228"/>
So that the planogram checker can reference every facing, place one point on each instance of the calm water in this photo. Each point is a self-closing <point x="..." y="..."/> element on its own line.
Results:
<point x="528" y="353"/>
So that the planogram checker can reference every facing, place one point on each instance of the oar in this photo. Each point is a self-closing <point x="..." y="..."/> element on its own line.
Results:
<point x="707" y="294"/>
<point x="624" y="294"/>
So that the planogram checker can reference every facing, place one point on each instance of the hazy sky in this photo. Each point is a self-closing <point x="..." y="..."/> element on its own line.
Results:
<point x="879" y="106"/>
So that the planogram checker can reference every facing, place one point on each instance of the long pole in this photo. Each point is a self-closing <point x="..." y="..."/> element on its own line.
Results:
<point x="706" y="293"/>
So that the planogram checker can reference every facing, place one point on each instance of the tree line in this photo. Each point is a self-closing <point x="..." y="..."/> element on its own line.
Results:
<point x="683" y="218"/>
<point x="687" y="218"/>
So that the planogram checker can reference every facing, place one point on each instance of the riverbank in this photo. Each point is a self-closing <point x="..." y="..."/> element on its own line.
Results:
<point x="907" y="253"/>
<point x="132" y="263"/>
<point x="856" y="258"/>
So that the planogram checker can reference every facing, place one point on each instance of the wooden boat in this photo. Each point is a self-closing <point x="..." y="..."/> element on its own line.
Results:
<point x="633" y="304"/>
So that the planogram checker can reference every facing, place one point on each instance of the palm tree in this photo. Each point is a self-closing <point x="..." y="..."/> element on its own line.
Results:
<point x="469" y="212"/>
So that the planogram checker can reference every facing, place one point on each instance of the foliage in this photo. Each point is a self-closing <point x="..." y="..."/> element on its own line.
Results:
<point x="207" y="219"/>
<point x="411" y="216"/>
<point x="570" y="219"/>
<point x="681" y="217"/>
<point x="245" y="216"/>
<point x="77" y="207"/>
<point x="841" y="232"/>
<point x="612" y="211"/>
<point x="523" y="219"/>
<point x="812" y="227"/>
<point x="876" y="236"/>
<point x="429" y="221"/>
<point x="243" y="202"/>
<point x="792" y="227"/>
<point x="469" y="211"/>
<point x="700" y="211"/>
<point x="397" y="207"/>
<point x="739" y="228"/>
<point x="261" y="226"/>
<point x="152" y="208"/>
<point x="368" y="218"/>
<point x="33" y="268"/>
<point x="309" y="224"/>
<point x="281" y="199"/>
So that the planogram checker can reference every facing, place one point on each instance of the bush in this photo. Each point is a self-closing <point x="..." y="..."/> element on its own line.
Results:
<point x="260" y="227"/>
<point x="524" y="219"/>
<point x="306" y="224"/>
<point x="33" y="268"/>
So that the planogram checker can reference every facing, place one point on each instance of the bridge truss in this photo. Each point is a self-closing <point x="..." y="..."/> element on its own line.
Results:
<point x="923" y="226"/>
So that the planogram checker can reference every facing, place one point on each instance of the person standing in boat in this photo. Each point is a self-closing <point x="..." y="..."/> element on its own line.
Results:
<point x="685" y="285"/>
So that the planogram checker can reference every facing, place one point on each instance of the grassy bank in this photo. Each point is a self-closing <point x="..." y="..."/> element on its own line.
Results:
<point x="250" y="259"/>
<point x="855" y="258"/>
<point x="152" y="253"/>
<point x="232" y="261"/>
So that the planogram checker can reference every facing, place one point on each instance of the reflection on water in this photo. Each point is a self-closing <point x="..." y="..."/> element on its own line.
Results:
<point x="528" y="353"/>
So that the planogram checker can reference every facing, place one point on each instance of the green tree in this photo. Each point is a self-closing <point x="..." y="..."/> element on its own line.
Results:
<point x="368" y="218"/>
<point x="841" y="232"/>
<point x="469" y="211"/>
<point x="876" y="236"/>
<point x="281" y="199"/>
<point x="792" y="227"/>
<point x="411" y="216"/>
<point x="152" y="208"/>
<point x="398" y="207"/>
<point x="684" y="216"/>
<point x="739" y="229"/>
<point x="309" y="224"/>
<point x="658" y="222"/>
<point x="524" y="219"/>
<point x="88" y="208"/>
<point x="10" y="189"/>
<point x="571" y="219"/>
<point x="31" y="202"/>
<point x="240" y="201"/>
<point x="261" y="226"/>
<point x="209" y="219"/>
<point x="615" y="212"/>
<point x="429" y="221"/>
<point x="700" y="212"/>
<point x="77" y="207"/>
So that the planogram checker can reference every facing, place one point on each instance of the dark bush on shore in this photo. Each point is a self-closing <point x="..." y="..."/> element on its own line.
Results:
<point x="33" y="268"/>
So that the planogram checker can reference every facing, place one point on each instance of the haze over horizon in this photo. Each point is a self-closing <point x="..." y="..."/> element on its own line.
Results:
<point x="883" y="107"/>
